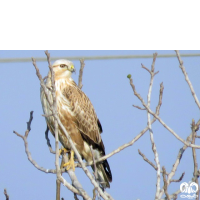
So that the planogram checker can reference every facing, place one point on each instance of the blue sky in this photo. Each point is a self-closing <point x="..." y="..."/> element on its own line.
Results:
<point x="105" y="83"/>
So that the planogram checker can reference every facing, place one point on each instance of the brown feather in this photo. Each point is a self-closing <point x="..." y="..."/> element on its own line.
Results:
<point x="86" y="118"/>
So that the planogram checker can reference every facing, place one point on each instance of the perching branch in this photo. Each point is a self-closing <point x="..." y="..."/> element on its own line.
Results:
<point x="74" y="180"/>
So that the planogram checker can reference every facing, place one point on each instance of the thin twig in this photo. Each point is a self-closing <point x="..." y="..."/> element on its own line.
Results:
<point x="165" y="183"/>
<point x="94" y="194"/>
<point x="195" y="158"/>
<point x="80" y="85"/>
<point x="139" y="107"/>
<point x="75" y="196"/>
<point x="146" y="68"/>
<point x="29" y="122"/>
<point x="175" y="194"/>
<point x="147" y="160"/>
<point x="179" y="180"/>
<point x="29" y="154"/>
<point x="43" y="85"/>
<point x="6" y="194"/>
<point x="187" y="78"/>
<point x="48" y="141"/>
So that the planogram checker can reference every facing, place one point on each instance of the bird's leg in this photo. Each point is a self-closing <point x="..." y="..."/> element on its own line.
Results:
<point x="70" y="164"/>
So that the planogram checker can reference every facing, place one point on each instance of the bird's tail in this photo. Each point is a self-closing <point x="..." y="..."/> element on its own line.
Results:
<point x="104" y="174"/>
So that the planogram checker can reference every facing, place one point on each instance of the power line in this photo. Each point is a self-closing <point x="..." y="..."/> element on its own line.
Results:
<point x="42" y="59"/>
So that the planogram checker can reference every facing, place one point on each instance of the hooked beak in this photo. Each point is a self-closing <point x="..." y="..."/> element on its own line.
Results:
<point x="73" y="69"/>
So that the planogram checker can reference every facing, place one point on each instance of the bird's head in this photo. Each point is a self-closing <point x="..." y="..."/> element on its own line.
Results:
<point x="63" y="68"/>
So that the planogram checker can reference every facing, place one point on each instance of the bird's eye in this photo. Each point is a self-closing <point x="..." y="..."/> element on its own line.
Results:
<point x="62" y="66"/>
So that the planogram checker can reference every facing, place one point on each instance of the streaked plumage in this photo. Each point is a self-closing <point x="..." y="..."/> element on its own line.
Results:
<point x="78" y="116"/>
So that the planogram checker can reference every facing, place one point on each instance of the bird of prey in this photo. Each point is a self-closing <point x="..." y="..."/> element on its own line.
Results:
<point x="78" y="116"/>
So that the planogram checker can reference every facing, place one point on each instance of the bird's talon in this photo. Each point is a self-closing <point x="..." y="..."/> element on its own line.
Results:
<point x="62" y="150"/>
<point x="70" y="164"/>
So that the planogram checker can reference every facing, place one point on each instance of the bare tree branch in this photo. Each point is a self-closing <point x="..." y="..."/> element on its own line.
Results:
<point x="147" y="160"/>
<point x="42" y="84"/>
<point x="187" y="78"/>
<point x="75" y="196"/>
<point x="29" y="155"/>
<point x="95" y="172"/>
<point x="139" y="107"/>
<point x="70" y="187"/>
<point x="29" y="122"/>
<point x="48" y="141"/>
<point x="179" y="180"/>
<point x="159" y="119"/>
<point x="175" y="194"/>
<point x="26" y="146"/>
<point x="6" y="194"/>
<point x="177" y="162"/>
<point x="146" y="69"/>
<point x="195" y="174"/>
<point x="57" y="189"/>
<point x="94" y="194"/>
<point x="165" y="183"/>
<point x="74" y="179"/>
<point x="80" y="85"/>
<point x="95" y="167"/>
<point x="54" y="112"/>
<point x="149" y="125"/>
